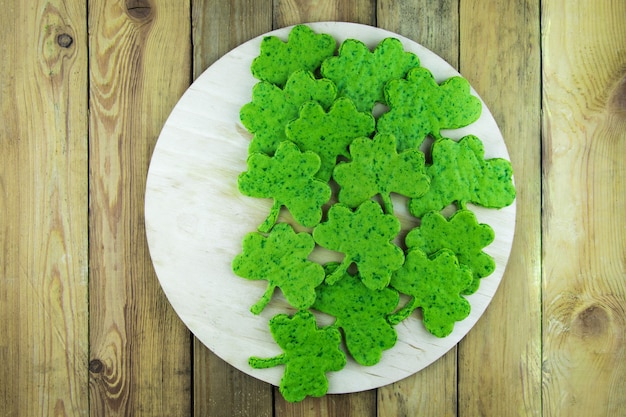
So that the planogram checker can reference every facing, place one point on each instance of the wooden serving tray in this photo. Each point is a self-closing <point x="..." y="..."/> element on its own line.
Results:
<point x="196" y="219"/>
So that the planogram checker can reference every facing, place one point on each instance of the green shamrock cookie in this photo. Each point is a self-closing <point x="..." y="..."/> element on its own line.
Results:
<point x="364" y="236"/>
<point x="329" y="133"/>
<point x="435" y="284"/>
<point x="460" y="174"/>
<point x="308" y="354"/>
<point x="304" y="49"/>
<point x="362" y="315"/>
<point x="361" y="74"/>
<point x="418" y="106"/>
<point x="289" y="178"/>
<point x="281" y="259"/>
<point x="377" y="168"/>
<point x="463" y="235"/>
<point x="272" y="108"/>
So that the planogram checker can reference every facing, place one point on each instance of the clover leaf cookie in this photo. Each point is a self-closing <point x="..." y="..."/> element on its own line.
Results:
<point x="281" y="259"/>
<point x="309" y="352"/>
<point x="289" y="178"/>
<point x="418" y="106"/>
<point x="273" y="107"/>
<point x="304" y="49"/>
<point x="460" y="174"/>
<point x="329" y="133"/>
<point x="435" y="284"/>
<point x="361" y="74"/>
<point x="365" y="237"/>
<point x="362" y="315"/>
<point x="463" y="235"/>
<point x="376" y="168"/>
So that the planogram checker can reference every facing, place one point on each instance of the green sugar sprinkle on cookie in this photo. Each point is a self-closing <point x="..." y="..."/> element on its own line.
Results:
<point x="362" y="315"/>
<point x="361" y="74"/>
<point x="460" y="174"/>
<point x="418" y="106"/>
<point x="289" y="178"/>
<point x="463" y="235"/>
<point x="304" y="49"/>
<point x="329" y="133"/>
<point x="319" y="152"/>
<point x="376" y="168"/>
<point x="435" y="285"/>
<point x="281" y="259"/>
<point x="272" y="108"/>
<point x="308" y="354"/>
<point x="365" y="237"/>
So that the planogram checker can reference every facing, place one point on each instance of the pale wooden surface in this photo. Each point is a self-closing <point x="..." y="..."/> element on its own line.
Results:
<point x="139" y="64"/>
<point x="86" y="328"/>
<point x="584" y="229"/>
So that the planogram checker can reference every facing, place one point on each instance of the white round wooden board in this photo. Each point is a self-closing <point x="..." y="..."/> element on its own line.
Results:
<point x="196" y="220"/>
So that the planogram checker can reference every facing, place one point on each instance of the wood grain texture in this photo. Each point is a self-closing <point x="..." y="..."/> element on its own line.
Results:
<point x="432" y="391"/>
<point x="434" y="25"/>
<point x="218" y="388"/>
<point x="360" y="404"/>
<point x="43" y="210"/>
<point x="221" y="390"/>
<point x="140" y="65"/>
<point x="291" y="12"/>
<point x="500" y="359"/>
<point x="219" y="26"/>
<point x="584" y="248"/>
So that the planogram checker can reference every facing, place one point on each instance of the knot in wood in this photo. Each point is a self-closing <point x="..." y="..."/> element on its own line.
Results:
<point x="593" y="321"/>
<point x="617" y="102"/>
<point x="96" y="366"/>
<point x="64" y="40"/>
<point x="139" y="9"/>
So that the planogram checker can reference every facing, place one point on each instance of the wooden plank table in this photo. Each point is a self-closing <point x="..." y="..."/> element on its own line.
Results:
<point x="86" y="88"/>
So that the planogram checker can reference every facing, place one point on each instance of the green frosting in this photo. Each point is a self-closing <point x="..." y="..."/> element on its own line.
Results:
<point x="460" y="174"/>
<point x="364" y="236"/>
<point x="309" y="353"/>
<point x="289" y="178"/>
<point x="361" y="74"/>
<point x="329" y="133"/>
<point x="463" y="235"/>
<point x="281" y="259"/>
<point x="418" y="106"/>
<point x="272" y="108"/>
<point x="361" y="313"/>
<point x="304" y="49"/>
<point x="435" y="283"/>
<point x="376" y="168"/>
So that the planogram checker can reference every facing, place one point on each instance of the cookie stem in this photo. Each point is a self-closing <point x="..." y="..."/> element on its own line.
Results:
<point x="403" y="313"/>
<point x="339" y="272"/>
<point x="270" y="221"/>
<point x="263" y="363"/>
<point x="263" y="301"/>
<point x="387" y="203"/>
